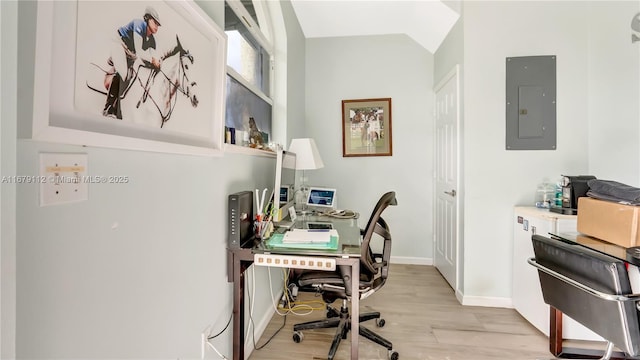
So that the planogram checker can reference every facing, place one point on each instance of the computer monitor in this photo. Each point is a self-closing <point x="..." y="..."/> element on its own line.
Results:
<point x="284" y="184"/>
<point x="321" y="198"/>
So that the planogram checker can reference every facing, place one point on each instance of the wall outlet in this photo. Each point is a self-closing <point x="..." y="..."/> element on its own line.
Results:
<point x="63" y="178"/>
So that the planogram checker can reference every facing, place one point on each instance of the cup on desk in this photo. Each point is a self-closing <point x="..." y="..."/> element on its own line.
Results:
<point x="268" y="230"/>
<point x="263" y="228"/>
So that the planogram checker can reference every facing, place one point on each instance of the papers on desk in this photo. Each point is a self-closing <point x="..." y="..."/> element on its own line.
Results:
<point x="308" y="236"/>
<point x="275" y="242"/>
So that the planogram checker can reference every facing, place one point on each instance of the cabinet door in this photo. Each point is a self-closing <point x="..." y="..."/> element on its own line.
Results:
<point x="527" y="296"/>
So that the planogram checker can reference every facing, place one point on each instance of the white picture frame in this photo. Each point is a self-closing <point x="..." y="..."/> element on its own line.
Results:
<point x="67" y="107"/>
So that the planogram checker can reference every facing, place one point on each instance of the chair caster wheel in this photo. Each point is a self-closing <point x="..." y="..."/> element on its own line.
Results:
<point x="331" y="313"/>
<point x="380" y="322"/>
<point x="393" y="355"/>
<point x="297" y="336"/>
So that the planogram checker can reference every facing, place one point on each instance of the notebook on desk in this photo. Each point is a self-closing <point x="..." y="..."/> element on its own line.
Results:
<point x="308" y="236"/>
<point x="276" y="242"/>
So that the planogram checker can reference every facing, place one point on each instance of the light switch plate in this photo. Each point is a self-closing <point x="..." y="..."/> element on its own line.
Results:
<point x="64" y="176"/>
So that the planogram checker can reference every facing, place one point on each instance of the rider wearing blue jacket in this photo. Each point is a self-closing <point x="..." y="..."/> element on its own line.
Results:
<point x="139" y="44"/>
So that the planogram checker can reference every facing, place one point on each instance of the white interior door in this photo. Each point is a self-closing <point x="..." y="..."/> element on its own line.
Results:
<point x="446" y="178"/>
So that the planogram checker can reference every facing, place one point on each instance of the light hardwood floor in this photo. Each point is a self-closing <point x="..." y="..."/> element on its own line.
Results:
<point x="423" y="320"/>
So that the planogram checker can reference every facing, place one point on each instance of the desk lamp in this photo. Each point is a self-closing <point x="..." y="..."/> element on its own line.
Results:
<point x="307" y="158"/>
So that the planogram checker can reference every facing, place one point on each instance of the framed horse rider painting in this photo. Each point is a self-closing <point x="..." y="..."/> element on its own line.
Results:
<point x="144" y="75"/>
<point x="366" y="127"/>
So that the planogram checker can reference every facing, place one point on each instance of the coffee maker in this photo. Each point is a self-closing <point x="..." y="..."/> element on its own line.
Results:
<point x="573" y="187"/>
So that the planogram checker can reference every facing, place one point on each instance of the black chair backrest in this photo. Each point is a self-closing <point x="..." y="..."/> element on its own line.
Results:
<point x="376" y="224"/>
<point x="374" y="272"/>
<point x="615" y="321"/>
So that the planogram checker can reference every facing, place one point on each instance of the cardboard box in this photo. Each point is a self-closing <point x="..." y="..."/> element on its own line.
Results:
<point x="609" y="221"/>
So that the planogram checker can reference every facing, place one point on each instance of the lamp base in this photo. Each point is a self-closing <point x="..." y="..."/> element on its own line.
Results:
<point x="301" y="200"/>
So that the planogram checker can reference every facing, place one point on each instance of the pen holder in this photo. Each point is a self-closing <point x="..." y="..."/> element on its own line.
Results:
<point x="262" y="228"/>
<point x="268" y="230"/>
<point x="257" y="227"/>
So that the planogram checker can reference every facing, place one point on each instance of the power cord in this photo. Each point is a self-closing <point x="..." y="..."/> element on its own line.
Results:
<point x="253" y="326"/>
<point x="290" y="305"/>
<point x="223" y="330"/>
<point x="340" y="214"/>
<point x="215" y="336"/>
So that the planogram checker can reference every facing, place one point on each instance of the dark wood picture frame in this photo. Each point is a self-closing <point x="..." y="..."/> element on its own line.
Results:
<point x="366" y="127"/>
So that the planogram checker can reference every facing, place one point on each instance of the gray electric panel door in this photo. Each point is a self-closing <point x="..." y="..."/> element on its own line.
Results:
<point x="531" y="103"/>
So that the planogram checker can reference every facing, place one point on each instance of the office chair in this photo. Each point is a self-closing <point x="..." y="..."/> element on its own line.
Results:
<point x="590" y="287"/>
<point x="374" y="270"/>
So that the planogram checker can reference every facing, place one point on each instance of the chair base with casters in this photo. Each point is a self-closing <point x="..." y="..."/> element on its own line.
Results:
<point x="341" y="320"/>
<point x="593" y="289"/>
<point x="374" y="270"/>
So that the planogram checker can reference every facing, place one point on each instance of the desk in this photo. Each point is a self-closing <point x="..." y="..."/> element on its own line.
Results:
<point x="348" y="253"/>
<point x="555" y="324"/>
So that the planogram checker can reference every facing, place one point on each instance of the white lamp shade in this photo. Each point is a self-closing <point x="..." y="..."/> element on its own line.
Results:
<point x="307" y="154"/>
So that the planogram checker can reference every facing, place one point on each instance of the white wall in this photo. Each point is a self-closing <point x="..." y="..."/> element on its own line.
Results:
<point x="8" y="83"/>
<point x="147" y="287"/>
<point x="614" y="92"/>
<point x="392" y="66"/>
<point x="141" y="265"/>
<point x="296" y="47"/>
<point x="138" y="270"/>
<point x="597" y="116"/>
<point x="496" y="179"/>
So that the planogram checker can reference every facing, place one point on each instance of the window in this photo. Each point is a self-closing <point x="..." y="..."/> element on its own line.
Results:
<point x="248" y="117"/>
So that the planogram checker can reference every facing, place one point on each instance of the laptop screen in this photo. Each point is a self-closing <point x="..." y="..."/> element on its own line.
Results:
<point x="321" y="197"/>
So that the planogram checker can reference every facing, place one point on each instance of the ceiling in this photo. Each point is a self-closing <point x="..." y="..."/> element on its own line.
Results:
<point x="426" y="21"/>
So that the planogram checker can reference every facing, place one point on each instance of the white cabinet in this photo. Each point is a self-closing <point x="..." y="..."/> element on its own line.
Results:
<point x="527" y="295"/>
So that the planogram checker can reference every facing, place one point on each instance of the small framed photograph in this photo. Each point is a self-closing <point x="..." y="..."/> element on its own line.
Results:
<point x="366" y="127"/>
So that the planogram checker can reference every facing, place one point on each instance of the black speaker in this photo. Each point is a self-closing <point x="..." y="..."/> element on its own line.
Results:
<point x="241" y="220"/>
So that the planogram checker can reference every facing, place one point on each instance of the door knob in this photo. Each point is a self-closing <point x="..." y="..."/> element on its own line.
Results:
<point x="451" y="193"/>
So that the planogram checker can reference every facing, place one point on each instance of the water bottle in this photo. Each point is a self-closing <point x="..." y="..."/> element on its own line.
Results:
<point x="545" y="195"/>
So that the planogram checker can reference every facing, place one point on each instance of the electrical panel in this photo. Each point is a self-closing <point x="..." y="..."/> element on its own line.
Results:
<point x="531" y="103"/>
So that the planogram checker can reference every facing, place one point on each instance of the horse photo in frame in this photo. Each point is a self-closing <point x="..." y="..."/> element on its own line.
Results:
<point x="144" y="75"/>
<point x="366" y="127"/>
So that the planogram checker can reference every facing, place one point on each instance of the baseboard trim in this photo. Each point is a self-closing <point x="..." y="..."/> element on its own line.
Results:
<point x="485" y="301"/>
<point x="411" y="260"/>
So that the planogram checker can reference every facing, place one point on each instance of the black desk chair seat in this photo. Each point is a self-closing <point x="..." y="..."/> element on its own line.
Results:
<point x="374" y="270"/>
<point x="592" y="288"/>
